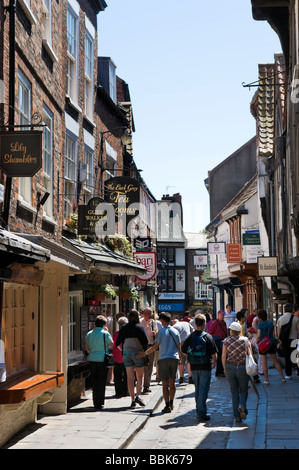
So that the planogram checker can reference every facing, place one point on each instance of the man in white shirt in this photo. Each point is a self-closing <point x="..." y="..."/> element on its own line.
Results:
<point x="150" y="327"/>
<point x="185" y="329"/>
<point x="229" y="316"/>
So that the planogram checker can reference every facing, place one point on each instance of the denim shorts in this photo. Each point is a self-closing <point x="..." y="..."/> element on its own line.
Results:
<point x="130" y="360"/>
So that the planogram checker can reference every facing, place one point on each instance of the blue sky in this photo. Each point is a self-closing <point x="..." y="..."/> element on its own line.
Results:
<point x="185" y="63"/>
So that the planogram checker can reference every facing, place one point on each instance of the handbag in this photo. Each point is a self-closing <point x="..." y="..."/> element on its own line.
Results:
<point x="108" y="358"/>
<point x="251" y="366"/>
<point x="265" y="344"/>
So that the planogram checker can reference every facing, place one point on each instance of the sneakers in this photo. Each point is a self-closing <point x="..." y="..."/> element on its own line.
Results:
<point x="288" y="377"/>
<point x="133" y="404"/>
<point x="167" y="409"/>
<point x="181" y="380"/>
<point x="191" y="380"/>
<point x="139" y="401"/>
<point x="146" y="390"/>
<point x="242" y="412"/>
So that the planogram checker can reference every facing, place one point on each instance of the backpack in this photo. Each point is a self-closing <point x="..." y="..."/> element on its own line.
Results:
<point x="285" y="330"/>
<point x="197" y="350"/>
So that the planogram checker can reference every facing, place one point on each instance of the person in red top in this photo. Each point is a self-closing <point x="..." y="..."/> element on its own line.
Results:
<point x="218" y="330"/>
<point x="120" y="374"/>
<point x="186" y="317"/>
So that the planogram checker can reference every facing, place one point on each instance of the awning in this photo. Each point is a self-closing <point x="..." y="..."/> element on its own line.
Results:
<point x="22" y="249"/>
<point x="61" y="254"/>
<point x="104" y="259"/>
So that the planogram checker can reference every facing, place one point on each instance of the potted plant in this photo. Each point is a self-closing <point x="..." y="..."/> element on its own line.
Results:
<point x="127" y="292"/>
<point x="104" y="291"/>
<point x="124" y="292"/>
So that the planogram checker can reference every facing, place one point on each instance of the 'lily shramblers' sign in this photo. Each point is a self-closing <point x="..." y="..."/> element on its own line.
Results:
<point x="21" y="153"/>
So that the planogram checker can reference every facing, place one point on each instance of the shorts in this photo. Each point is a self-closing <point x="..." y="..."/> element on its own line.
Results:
<point x="168" y="368"/>
<point x="272" y="350"/>
<point x="130" y="359"/>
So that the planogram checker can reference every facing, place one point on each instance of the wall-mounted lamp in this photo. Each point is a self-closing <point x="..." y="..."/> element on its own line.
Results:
<point x="41" y="201"/>
<point x="125" y="137"/>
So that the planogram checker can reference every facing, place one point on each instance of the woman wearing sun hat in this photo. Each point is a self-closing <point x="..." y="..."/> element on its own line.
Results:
<point x="234" y="351"/>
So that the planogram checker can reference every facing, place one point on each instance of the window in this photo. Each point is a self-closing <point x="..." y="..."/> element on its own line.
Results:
<point x="112" y="81"/>
<point x="88" y="185"/>
<point x="201" y="290"/>
<point x="47" y="20"/>
<point x="110" y="164"/>
<point x="24" y="105"/>
<point x="48" y="160"/>
<point x="72" y="54"/>
<point x="70" y="168"/>
<point x="88" y="103"/>
<point x="75" y="303"/>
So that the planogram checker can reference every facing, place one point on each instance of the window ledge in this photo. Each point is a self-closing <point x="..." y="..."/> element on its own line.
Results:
<point x="26" y="205"/>
<point x="20" y="389"/>
<point x="50" y="51"/>
<point x="73" y="104"/>
<point x="49" y="219"/>
<point x="30" y="16"/>
<point x="89" y="120"/>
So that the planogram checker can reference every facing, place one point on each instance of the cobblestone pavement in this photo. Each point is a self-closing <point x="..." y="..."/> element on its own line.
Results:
<point x="272" y="421"/>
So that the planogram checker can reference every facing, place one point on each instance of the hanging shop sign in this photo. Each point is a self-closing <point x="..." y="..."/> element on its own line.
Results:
<point x="142" y="244"/>
<point x="149" y="262"/>
<point x="233" y="252"/>
<point x="267" y="266"/>
<point x="88" y="216"/>
<point x="216" y="248"/>
<point x="124" y="195"/>
<point x="21" y="153"/>
<point x="200" y="260"/>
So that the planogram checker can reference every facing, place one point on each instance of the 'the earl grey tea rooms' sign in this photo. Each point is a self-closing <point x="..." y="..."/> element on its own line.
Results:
<point x="21" y="153"/>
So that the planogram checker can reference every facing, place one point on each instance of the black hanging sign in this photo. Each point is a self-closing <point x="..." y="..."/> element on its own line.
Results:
<point x="21" y="153"/>
<point x="88" y="216"/>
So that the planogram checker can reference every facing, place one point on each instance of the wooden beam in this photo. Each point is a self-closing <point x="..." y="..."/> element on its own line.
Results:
<point x="269" y="3"/>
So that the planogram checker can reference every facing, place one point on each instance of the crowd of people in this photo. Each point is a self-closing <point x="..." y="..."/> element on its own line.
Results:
<point x="198" y="345"/>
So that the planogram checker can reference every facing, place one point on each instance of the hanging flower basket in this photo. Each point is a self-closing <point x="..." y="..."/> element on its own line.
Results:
<point x="125" y="295"/>
<point x="99" y="296"/>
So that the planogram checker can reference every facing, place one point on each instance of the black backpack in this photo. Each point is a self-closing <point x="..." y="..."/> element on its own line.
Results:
<point x="197" y="350"/>
<point x="285" y="330"/>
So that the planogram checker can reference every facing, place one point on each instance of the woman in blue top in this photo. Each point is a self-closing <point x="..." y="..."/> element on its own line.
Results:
<point x="95" y="346"/>
<point x="266" y="328"/>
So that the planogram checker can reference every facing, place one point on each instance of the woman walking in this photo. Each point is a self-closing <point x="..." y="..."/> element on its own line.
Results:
<point x="266" y="328"/>
<point x="234" y="350"/>
<point x="97" y="343"/>
<point x="133" y="339"/>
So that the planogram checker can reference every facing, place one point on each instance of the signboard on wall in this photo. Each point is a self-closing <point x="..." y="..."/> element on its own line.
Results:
<point x="171" y="307"/>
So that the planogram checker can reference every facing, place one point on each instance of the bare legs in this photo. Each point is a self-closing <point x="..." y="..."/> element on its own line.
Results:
<point x="131" y="379"/>
<point x="275" y="363"/>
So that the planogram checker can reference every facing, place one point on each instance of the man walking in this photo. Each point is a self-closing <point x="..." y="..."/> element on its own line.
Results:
<point x="218" y="331"/>
<point x="168" y="342"/>
<point x="229" y="316"/>
<point x="202" y="353"/>
<point x="184" y="328"/>
<point x="150" y="328"/>
<point x="286" y="340"/>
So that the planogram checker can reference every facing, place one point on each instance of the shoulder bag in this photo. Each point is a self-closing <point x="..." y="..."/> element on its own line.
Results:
<point x="265" y="344"/>
<point x="108" y="358"/>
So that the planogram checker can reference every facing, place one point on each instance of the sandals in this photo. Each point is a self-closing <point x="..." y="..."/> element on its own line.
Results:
<point x="266" y="382"/>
